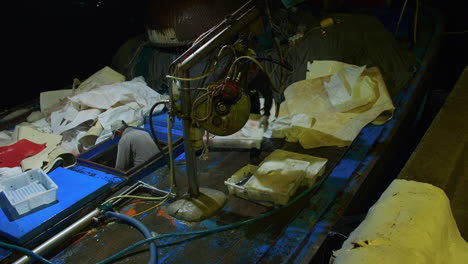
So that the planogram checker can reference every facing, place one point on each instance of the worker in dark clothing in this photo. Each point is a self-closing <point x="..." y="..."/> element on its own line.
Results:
<point x="135" y="146"/>
<point x="259" y="85"/>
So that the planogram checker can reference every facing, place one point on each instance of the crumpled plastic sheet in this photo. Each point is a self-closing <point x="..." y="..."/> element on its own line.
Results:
<point x="129" y="101"/>
<point x="330" y="127"/>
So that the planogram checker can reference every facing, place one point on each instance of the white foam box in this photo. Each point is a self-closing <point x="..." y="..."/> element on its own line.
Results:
<point x="27" y="191"/>
<point x="277" y="178"/>
<point x="270" y="185"/>
<point x="276" y="181"/>
<point x="240" y="190"/>
<point x="315" y="169"/>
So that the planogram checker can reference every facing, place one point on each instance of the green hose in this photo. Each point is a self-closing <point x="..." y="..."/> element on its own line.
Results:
<point x="25" y="251"/>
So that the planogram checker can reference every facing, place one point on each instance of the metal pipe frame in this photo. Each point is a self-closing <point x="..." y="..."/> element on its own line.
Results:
<point x="213" y="32"/>
<point x="224" y="35"/>
<point x="193" y="188"/>
<point x="217" y="37"/>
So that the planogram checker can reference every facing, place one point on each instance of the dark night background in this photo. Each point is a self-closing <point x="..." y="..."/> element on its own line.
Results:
<point x="48" y="43"/>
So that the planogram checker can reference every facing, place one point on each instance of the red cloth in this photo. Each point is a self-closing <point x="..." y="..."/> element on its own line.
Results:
<point x="12" y="155"/>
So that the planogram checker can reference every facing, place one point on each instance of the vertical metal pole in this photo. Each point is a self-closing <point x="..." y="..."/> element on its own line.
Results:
<point x="191" y="165"/>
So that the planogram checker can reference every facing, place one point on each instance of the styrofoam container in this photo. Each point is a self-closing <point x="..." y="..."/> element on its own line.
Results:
<point x="277" y="178"/>
<point x="239" y="190"/>
<point x="27" y="191"/>
<point x="271" y="184"/>
<point x="315" y="169"/>
<point x="276" y="181"/>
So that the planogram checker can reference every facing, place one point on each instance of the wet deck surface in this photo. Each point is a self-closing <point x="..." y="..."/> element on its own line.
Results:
<point x="246" y="244"/>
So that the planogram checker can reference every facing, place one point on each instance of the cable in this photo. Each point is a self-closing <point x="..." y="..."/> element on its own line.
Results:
<point x="142" y="228"/>
<point x="277" y="28"/>
<point x="212" y="91"/>
<point x="285" y="65"/>
<point x="171" y="167"/>
<point x="168" y="161"/>
<point x="206" y="147"/>
<point x="415" y="22"/>
<point x="189" y="79"/>
<point x="25" y="251"/>
<point x="401" y="16"/>
<point x="258" y="64"/>
<point x="220" y="52"/>
<point x="134" y="197"/>
<point x="158" y="144"/>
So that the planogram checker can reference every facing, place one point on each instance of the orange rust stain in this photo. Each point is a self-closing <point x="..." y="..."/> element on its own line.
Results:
<point x="85" y="234"/>
<point x="79" y="239"/>
<point x="130" y="209"/>
<point x="162" y="213"/>
<point x="130" y="212"/>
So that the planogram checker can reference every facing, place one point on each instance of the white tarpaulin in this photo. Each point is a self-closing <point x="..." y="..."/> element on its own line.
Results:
<point x="348" y="88"/>
<point x="49" y="99"/>
<point x="330" y="127"/>
<point x="129" y="101"/>
<point x="318" y="69"/>
<point x="70" y="117"/>
<point x="412" y="222"/>
<point x="104" y="76"/>
<point x="99" y="101"/>
<point x="106" y="96"/>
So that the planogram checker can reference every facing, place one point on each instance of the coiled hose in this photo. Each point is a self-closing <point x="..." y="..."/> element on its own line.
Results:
<point x="158" y="144"/>
<point x="142" y="228"/>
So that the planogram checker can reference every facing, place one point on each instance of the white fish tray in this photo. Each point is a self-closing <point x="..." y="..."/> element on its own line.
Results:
<point x="27" y="191"/>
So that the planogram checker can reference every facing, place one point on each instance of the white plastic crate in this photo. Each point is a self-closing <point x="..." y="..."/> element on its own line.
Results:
<point x="27" y="191"/>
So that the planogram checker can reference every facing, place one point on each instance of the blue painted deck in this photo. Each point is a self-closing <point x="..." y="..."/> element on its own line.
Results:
<point x="74" y="190"/>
